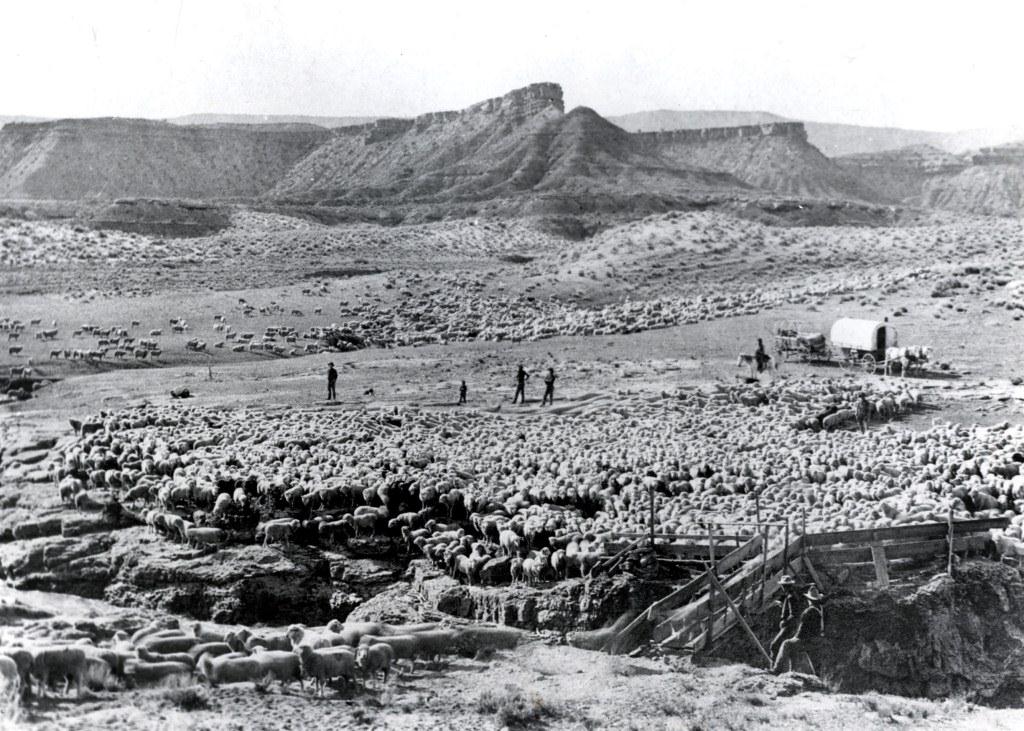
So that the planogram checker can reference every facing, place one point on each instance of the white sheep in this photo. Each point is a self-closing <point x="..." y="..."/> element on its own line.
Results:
<point x="373" y="659"/>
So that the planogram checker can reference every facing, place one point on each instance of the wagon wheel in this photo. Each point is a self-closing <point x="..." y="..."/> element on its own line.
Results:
<point x="846" y="361"/>
<point x="868" y="363"/>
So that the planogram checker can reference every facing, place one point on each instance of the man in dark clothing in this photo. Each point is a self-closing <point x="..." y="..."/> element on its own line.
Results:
<point x="862" y="409"/>
<point x="811" y="628"/>
<point x="521" y="376"/>
<point x="790" y="612"/>
<point x="332" y="379"/>
<point x="760" y="356"/>
<point x="462" y="393"/>
<point x="549" y="388"/>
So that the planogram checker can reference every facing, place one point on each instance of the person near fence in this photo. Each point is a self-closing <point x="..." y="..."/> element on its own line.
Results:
<point x="810" y="629"/>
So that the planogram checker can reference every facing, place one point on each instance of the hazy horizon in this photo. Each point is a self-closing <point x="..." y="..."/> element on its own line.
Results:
<point x="923" y="66"/>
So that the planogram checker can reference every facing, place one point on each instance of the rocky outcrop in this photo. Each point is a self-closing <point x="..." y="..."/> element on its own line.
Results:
<point x="576" y="604"/>
<point x="157" y="217"/>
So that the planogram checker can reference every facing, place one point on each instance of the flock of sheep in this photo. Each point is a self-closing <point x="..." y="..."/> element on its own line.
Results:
<point x="354" y="652"/>
<point x="494" y="500"/>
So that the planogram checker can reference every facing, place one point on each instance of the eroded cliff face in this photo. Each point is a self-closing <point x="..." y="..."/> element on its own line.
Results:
<point x="79" y="159"/>
<point x="961" y="636"/>
<point x="774" y="157"/>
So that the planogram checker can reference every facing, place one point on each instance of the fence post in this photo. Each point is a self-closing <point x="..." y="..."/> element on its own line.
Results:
<point x="950" y="537"/>
<point x="651" y="489"/>
<point x="711" y="588"/>
<point x="785" y="548"/>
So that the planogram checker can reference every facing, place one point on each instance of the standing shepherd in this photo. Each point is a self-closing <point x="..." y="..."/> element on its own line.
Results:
<point x="462" y="393"/>
<point x="761" y="356"/>
<point x="332" y="379"/>
<point x="521" y="377"/>
<point x="862" y="410"/>
<point x="549" y="388"/>
<point x="812" y="627"/>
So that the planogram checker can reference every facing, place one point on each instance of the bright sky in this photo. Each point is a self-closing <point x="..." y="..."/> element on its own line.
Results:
<point x="927" y="65"/>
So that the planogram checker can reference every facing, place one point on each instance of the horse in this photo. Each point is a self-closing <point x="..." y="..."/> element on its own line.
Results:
<point x="909" y="358"/>
<point x="750" y="360"/>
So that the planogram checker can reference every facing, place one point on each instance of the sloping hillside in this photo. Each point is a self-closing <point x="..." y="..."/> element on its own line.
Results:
<point x="992" y="184"/>
<point x="988" y="181"/>
<point x="775" y="157"/>
<point x="112" y="158"/>
<point x="521" y="145"/>
<point x="902" y="174"/>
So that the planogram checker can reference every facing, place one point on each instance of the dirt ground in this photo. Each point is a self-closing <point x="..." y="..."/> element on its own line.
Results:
<point x="537" y="685"/>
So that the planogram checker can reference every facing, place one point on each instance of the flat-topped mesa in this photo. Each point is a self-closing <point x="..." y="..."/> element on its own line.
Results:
<point x="794" y="130"/>
<point x="516" y="105"/>
<point x="1011" y="154"/>
<point x="923" y="159"/>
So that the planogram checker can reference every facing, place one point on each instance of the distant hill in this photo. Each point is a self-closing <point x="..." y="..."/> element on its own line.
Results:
<point x="328" y="122"/>
<point x="992" y="183"/>
<point x="521" y="147"/>
<point x="8" y="120"/>
<point x="900" y="175"/>
<point x="113" y="158"/>
<point x="833" y="140"/>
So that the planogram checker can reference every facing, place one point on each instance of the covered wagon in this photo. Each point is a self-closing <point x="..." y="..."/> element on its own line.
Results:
<point x="862" y="342"/>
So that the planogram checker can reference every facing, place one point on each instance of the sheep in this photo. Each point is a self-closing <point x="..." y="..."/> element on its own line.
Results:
<point x="273" y="532"/>
<point x="69" y="487"/>
<point x="511" y="542"/>
<point x="149" y="672"/>
<point x="326" y="664"/>
<point x="160" y="626"/>
<point x="299" y="635"/>
<point x="23" y="659"/>
<point x="515" y="568"/>
<point x="832" y="421"/>
<point x="213" y="649"/>
<point x="373" y="659"/>
<point x="11" y="676"/>
<point x="404" y="647"/>
<point x="279" y="641"/>
<point x="177" y="643"/>
<point x="281" y="665"/>
<point x="185" y="658"/>
<point x="227" y="669"/>
<point x="60" y="661"/>
<point x="197" y="537"/>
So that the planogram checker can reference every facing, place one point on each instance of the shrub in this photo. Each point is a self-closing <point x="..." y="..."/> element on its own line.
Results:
<point x="193" y="698"/>
<point x="514" y="709"/>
